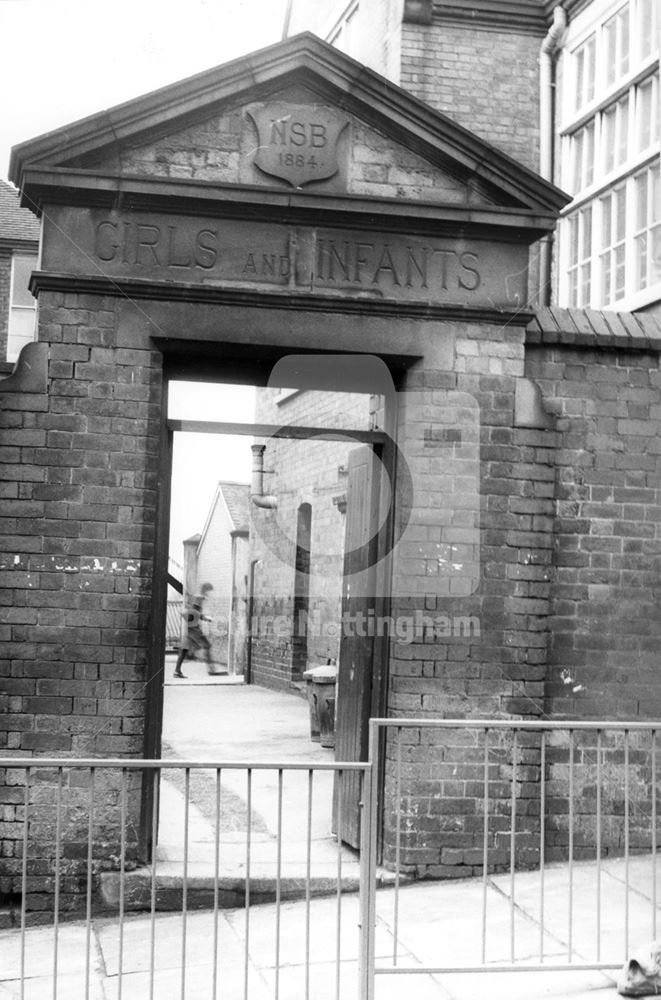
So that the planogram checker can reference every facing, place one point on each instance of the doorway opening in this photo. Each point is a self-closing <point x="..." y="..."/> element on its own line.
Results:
<point x="267" y="551"/>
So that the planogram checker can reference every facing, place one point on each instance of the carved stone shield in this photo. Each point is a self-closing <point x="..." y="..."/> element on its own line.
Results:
<point x="297" y="142"/>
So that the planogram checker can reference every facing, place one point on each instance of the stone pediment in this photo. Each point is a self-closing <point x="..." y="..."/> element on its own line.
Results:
<point x="297" y="118"/>
<point x="294" y="142"/>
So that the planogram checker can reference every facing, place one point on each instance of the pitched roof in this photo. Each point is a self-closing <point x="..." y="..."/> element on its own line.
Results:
<point x="304" y="61"/>
<point x="595" y="328"/>
<point x="237" y="498"/>
<point x="16" y="223"/>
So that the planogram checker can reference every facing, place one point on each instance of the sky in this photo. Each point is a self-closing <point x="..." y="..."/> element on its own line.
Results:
<point x="65" y="59"/>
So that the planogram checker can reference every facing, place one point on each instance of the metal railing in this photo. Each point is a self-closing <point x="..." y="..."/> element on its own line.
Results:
<point x="559" y="830"/>
<point x="537" y="841"/>
<point x="236" y="835"/>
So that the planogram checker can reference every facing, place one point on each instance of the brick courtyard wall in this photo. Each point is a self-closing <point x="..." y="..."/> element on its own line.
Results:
<point x="80" y="480"/>
<point x="568" y="610"/>
<point x="491" y="661"/>
<point x="606" y="631"/>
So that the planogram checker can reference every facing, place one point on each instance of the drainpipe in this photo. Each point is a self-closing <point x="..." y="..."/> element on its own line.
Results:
<point x="257" y="495"/>
<point x="251" y="614"/>
<point x="549" y="49"/>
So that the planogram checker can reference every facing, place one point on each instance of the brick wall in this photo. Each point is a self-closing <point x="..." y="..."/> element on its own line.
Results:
<point x="568" y="608"/>
<point x="80" y="480"/>
<point x="606" y="631"/>
<point x="486" y="81"/>
<point x="489" y="658"/>
<point x="301" y="472"/>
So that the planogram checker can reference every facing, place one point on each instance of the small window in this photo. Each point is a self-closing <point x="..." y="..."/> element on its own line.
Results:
<point x="616" y="46"/>
<point x="580" y="252"/>
<point x="615" y="134"/>
<point x="22" y="305"/>
<point x="584" y="58"/>
<point x="647" y="26"/>
<point x="583" y="157"/>
<point x="647" y="113"/>
<point x="612" y="256"/>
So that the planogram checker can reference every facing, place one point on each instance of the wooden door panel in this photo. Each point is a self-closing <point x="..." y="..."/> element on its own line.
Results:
<point x="354" y="686"/>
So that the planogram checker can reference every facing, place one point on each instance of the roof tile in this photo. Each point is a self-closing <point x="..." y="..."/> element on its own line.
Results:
<point x="16" y="223"/>
<point x="595" y="327"/>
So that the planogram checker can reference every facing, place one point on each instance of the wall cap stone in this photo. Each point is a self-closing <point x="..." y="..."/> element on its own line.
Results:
<point x="595" y="328"/>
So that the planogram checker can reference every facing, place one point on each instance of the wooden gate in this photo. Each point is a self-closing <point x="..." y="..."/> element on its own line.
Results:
<point x="355" y="670"/>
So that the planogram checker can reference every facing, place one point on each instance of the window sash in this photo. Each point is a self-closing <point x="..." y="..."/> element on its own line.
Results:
<point x="611" y="157"/>
<point x="616" y="44"/>
<point x="22" y="305"/>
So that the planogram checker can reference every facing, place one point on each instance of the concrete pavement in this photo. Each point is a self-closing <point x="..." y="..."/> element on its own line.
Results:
<point x="309" y="946"/>
<point x="216" y="719"/>
<point x="317" y="942"/>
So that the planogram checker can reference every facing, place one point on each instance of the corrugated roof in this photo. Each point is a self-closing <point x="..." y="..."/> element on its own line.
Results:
<point x="237" y="498"/>
<point x="16" y="223"/>
<point x="595" y="328"/>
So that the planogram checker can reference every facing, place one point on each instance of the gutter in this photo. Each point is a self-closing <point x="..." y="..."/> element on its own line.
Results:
<point x="550" y="47"/>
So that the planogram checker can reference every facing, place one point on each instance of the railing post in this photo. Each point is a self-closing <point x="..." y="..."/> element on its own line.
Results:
<point x="368" y="847"/>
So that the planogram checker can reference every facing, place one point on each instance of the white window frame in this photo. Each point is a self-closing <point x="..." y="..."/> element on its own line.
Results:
<point x="15" y="340"/>
<point x="647" y="231"/>
<point x="340" y="33"/>
<point x="627" y="102"/>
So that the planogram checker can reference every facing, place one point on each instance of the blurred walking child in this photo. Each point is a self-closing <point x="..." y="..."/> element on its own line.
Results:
<point x="194" y="639"/>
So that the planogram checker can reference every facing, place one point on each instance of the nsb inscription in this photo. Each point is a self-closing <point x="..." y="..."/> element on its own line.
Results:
<point x="297" y="142"/>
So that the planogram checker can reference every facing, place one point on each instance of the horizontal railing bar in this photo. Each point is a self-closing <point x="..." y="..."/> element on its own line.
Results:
<point x="278" y="430"/>
<point x="419" y="970"/>
<point x="513" y="724"/>
<point x="168" y="765"/>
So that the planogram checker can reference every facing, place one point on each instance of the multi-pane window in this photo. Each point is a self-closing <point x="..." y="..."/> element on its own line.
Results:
<point x="610" y="154"/>
<point x="22" y="305"/>
<point x="647" y="234"/>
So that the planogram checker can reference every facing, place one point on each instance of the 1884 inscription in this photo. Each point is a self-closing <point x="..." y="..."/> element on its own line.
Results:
<point x="297" y="143"/>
